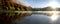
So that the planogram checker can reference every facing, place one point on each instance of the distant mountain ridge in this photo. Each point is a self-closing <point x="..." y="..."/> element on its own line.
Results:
<point x="45" y="9"/>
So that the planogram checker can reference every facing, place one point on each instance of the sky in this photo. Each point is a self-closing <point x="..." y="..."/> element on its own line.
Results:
<point x="41" y="3"/>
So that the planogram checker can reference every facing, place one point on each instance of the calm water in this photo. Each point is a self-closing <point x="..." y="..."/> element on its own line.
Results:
<point x="31" y="19"/>
<point x="37" y="19"/>
<point x="34" y="19"/>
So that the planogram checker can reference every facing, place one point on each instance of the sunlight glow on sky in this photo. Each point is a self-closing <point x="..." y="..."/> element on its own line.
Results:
<point x="41" y="3"/>
<point x="53" y="4"/>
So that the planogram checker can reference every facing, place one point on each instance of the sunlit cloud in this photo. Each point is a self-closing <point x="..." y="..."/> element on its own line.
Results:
<point x="53" y="3"/>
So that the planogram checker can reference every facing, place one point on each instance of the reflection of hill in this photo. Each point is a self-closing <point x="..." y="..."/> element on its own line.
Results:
<point x="7" y="18"/>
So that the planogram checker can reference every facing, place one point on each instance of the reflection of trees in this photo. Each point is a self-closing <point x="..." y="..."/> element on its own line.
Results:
<point x="11" y="16"/>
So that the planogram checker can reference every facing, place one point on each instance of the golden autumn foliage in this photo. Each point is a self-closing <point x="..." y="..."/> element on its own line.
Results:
<point x="13" y="6"/>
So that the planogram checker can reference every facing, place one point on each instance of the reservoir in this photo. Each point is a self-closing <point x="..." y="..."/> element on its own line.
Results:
<point x="30" y="18"/>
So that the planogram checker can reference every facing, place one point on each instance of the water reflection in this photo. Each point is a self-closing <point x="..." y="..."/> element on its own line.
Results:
<point x="34" y="19"/>
<point x="26" y="18"/>
<point x="8" y="17"/>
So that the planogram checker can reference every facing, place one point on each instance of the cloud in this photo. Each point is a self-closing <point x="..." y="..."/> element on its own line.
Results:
<point x="54" y="3"/>
<point x="40" y="3"/>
